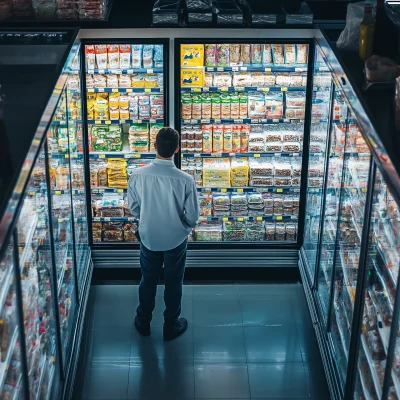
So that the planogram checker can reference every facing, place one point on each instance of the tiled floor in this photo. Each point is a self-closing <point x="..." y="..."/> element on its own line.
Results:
<point x="243" y="342"/>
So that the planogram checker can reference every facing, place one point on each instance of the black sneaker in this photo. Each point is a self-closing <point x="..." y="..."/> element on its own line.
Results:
<point x="172" y="332"/>
<point x="142" y="327"/>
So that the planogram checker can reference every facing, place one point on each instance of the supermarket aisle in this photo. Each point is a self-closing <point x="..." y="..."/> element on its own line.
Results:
<point x="244" y="342"/>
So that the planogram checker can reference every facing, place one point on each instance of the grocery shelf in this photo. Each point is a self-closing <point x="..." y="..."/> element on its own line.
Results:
<point x="259" y="218"/>
<point x="121" y="154"/>
<point x="366" y="392"/>
<point x="244" y="89"/>
<point x="384" y="258"/>
<point x="57" y="192"/>
<point x="8" y="280"/>
<point x="69" y="122"/>
<point x="114" y="219"/>
<point x="270" y="68"/>
<point x="384" y="285"/>
<point x="72" y="156"/>
<point x="62" y="273"/>
<point x="5" y="365"/>
<point x="26" y="247"/>
<point x="255" y="155"/>
<point x="125" y="90"/>
<point x="346" y="282"/>
<point x="371" y="365"/>
<point x="342" y="339"/>
<point x="250" y="189"/>
<point x="240" y="121"/>
<point x="109" y="190"/>
<point x="118" y="71"/>
<point x="125" y="121"/>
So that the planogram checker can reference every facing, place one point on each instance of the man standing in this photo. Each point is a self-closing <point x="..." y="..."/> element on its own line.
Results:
<point x="164" y="199"/>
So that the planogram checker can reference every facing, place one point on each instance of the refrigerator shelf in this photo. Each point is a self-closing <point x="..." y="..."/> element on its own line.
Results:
<point x="125" y="121"/>
<point x="241" y="121"/>
<point x="244" y="89"/>
<point x="259" y="218"/>
<point x="272" y="68"/>
<point x="5" y="365"/>
<point x="125" y="90"/>
<point x="125" y="71"/>
<point x="384" y="284"/>
<point x="57" y="192"/>
<point x="250" y="189"/>
<point x="255" y="155"/>
<point x="72" y="156"/>
<point x="66" y="123"/>
<point x="114" y="219"/>
<point x="120" y="154"/>
<point x="371" y="365"/>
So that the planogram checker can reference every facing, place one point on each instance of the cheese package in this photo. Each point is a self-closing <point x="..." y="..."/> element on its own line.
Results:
<point x="192" y="55"/>
<point x="192" y="77"/>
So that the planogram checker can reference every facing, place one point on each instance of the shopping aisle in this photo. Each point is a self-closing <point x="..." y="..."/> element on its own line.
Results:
<point x="243" y="342"/>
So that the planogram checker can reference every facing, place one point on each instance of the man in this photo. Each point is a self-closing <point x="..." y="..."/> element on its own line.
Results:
<point x="164" y="199"/>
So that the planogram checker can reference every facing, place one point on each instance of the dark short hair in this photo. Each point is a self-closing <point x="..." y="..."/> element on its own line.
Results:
<point x="167" y="141"/>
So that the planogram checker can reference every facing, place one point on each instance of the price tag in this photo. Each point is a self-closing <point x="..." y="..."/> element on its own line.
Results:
<point x="107" y="218"/>
<point x="364" y="190"/>
<point x="147" y="90"/>
<point x="235" y="68"/>
<point x="209" y="69"/>
<point x="90" y="71"/>
<point x="118" y="72"/>
<point x="197" y="155"/>
<point x="97" y="122"/>
<point x="217" y="154"/>
<point x="66" y="156"/>
<point x="196" y="89"/>
<point x="60" y="220"/>
<point x="100" y="90"/>
<point x="223" y="190"/>
<point x="224" y="88"/>
<point x="240" y="218"/>
<point x="240" y="190"/>
<point x="257" y="155"/>
<point x="101" y="71"/>
<point x="237" y="121"/>
<point x="120" y="190"/>
<point x="206" y="89"/>
<point x="279" y="217"/>
<point x="225" y="219"/>
<point x="283" y="89"/>
<point x="204" y="121"/>
<point x="136" y="155"/>
<point x="150" y="71"/>
<point x="129" y="90"/>
<point x="263" y="89"/>
<point x="279" y="190"/>
<point x="57" y="192"/>
<point x="220" y="69"/>
<point x="91" y="90"/>
<point x="31" y="193"/>
<point x="267" y="69"/>
<point x="114" y="90"/>
<point x="259" y="218"/>
<point x="152" y="121"/>
<point x="295" y="154"/>
<point x="108" y="122"/>
<point x="122" y="121"/>
<point x="239" y="88"/>
<point x="194" y="121"/>
<point x="102" y="156"/>
<point x="129" y="71"/>
<point x="217" y="121"/>
<point x="243" y="68"/>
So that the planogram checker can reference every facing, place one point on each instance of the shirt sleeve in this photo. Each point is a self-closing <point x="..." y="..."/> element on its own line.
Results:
<point x="132" y="199"/>
<point x="191" y="211"/>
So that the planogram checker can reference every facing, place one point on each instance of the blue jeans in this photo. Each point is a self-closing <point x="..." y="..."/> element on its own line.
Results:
<point x="151" y="263"/>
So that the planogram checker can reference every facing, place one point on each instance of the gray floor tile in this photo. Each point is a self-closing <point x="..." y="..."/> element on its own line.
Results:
<point x="272" y="344"/>
<point x="179" y="350"/>
<point x="115" y="293"/>
<point x="161" y="381"/>
<point x="308" y="343"/>
<point x="111" y="345"/>
<point x="265" y="290"/>
<point x="222" y="310"/>
<point x="219" y="344"/>
<point x="316" y="381"/>
<point x="158" y="313"/>
<point x="283" y="381"/>
<point x="300" y="309"/>
<point x="215" y="290"/>
<point x="221" y="381"/>
<point x="109" y="381"/>
<point x="271" y="310"/>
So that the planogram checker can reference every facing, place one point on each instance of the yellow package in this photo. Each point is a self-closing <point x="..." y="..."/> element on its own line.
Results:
<point x="102" y="96"/>
<point x="101" y="110"/>
<point x="192" y="55"/>
<point x="124" y="101"/>
<point x="150" y="80"/>
<point x="114" y="113"/>
<point x="192" y="77"/>
<point x="113" y="101"/>
<point x="137" y="80"/>
<point x="124" y="113"/>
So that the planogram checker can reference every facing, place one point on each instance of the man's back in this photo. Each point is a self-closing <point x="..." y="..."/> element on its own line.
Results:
<point x="164" y="199"/>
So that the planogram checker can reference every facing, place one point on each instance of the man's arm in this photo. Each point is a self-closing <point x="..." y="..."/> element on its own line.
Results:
<point x="191" y="211"/>
<point x="132" y="199"/>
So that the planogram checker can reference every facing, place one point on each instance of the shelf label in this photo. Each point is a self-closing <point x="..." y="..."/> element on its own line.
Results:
<point x="267" y="69"/>
<point x="150" y="71"/>
<point x="295" y="154"/>
<point x="279" y="190"/>
<point x="235" y="68"/>
<point x="240" y="190"/>
<point x="206" y="89"/>
<point x="196" y="89"/>
<point x="279" y="217"/>
<point x="122" y="121"/>
<point x="284" y="89"/>
<point x="256" y="155"/>
<point x="114" y="90"/>
<point x="147" y="90"/>
<point x="239" y="88"/>
<point x="129" y="71"/>
<point x="240" y="219"/>
<point x="129" y="90"/>
<point x="205" y="121"/>
<point x="263" y="89"/>
<point x="107" y="122"/>
<point x="243" y="68"/>
<point x="57" y="192"/>
<point x="224" y="88"/>
<point x="220" y="69"/>
<point x="66" y="156"/>
<point x="97" y="122"/>
<point x="217" y="121"/>
<point x="193" y="121"/>
<point x="120" y="190"/>
<point x="217" y="155"/>
<point x="197" y="155"/>
<point x="100" y="90"/>
<point x="364" y="190"/>
<point x="223" y="190"/>
<point x="31" y="193"/>
<point x="259" y="218"/>
<point x="102" y="156"/>
<point x="225" y="219"/>
<point x="90" y="90"/>
<point x="106" y="218"/>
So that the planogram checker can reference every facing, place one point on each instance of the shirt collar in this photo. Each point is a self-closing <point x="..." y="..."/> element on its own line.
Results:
<point x="165" y="163"/>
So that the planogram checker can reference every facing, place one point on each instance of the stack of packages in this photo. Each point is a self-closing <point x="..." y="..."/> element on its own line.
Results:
<point x="221" y="205"/>
<point x="98" y="173"/>
<point x="139" y="138"/>
<point x="92" y="9"/>
<point x="295" y="104"/>
<point x="154" y="129"/>
<point x="216" y="172"/>
<point x="255" y="231"/>
<point x="256" y="204"/>
<point x="234" y="231"/>
<point x="107" y="138"/>
<point x="116" y="173"/>
<point x="239" y="205"/>
<point x="194" y="167"/>
<point x="205" y="204"/>
<point x="97" y="231"/>
<point x="239" y="172"/>
<point x="261" y="172"/>
<point x="67" y="9"/>
<point x="111" y="205"/>
<point x="208" y="231"/>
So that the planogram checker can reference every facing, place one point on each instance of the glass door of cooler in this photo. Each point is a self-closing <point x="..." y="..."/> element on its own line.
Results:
<point x="320" y="118"/>
<point x="383" y="260"/>
<point x="125" y="109"/>
<point x="11" y="381"/>
<point x="78" y="191"/>
<point x="242" y="123"/>
<point x="62" y="146"/>
<point x="353" y="191"/>
<point x="338" y="129"/>
<point x="38" y="299"/>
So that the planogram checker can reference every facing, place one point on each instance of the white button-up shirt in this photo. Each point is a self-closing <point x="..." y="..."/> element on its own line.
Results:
<point x="164" y="199"/>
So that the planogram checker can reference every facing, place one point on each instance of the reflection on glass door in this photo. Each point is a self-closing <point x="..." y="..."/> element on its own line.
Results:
<point x="322" y="85"/>
<point x="348" y="243"/>
<point x="333" y="185"/>
<point x="382" y="272"/>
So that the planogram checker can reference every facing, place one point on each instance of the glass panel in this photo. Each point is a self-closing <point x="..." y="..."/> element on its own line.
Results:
<point x="10" y="352"/>
<point x="36" y="276"/>
<point x="242" y="112"/>
<point x="334" y="181"/>
<point x="74" y="120"/>
<point x="62" y="143"/>
<point x="348" y="243"/>
<point x="382" y="272"/>
<point x="125" y="105"/>
<point x="318" y="142"/>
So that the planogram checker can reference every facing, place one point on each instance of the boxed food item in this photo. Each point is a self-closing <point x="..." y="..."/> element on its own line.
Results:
<point x="192" y="77"/>
<point x="111" y="205"/>
<point x="210" y="55"/>
<point x="295" y="99"/>
<point x="256" y="105"/>
<point x="192" y="55"/>
<point x="273" y="105"/>
<point x="116" y="173"/>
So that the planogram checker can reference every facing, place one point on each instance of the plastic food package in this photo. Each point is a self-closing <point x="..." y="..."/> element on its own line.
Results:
<point x="222" y="55"/>
<point x="256" y="54"/>
<point x="295" y="99"/>
<point x="270" y="231"/>
<point x="101" y="56"/>
<point x="290" y="53"/>
<point x="274" y="105"/>
<point x="113" y="55"/>
<point x="256" y="105"/>
<point x="280" y="231"/>
<point x="112" y="205"/>
<point x="282" y="79"/>
<point x="267" y="55"/>
<point x="302" y="53"/>
<point x="241" y="79"/>
<point x="295" y="113"/>
<point x="261" y="181"/>
<point x="234" y="56"/>
<point x="116" y="173"/>
<point x="245" y="54"/>
<point x="283" y="169"/>
<point x="273" y="147"/>
<point x="210" y="55"/>
<point x="273" y="136"/>
<point x="291" y="146"/>
<point x="260" y="167"/>
<point x="278" y="54"/>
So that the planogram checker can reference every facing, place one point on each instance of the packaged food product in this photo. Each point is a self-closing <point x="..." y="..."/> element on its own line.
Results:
<point x="196" y="106"/>
<point x="277" y="54"/>
<point x="192" y="55"/>
<point x="239" y="199"/>
<point x="210" y="54"/>
<point x="291" y="146"/>
<point x="282" y="169"/>
<point x="262" y="181"/>
<point x="257" y="79"/>
<point x="290" y="232"/>
<point x="291" y="136"/>
<point x="245" y="54"/>
<point x="290" y="53"/>
<point x="317" y="147"/>
<point x="192" y="77"/>
<point x="302" y="53"/>
<point x="244" y="138"/>
<point x="137" y="55"/>
<point x="221" y="199"/>
<point x="267" y="55"/>
<point x="137" y="80"/>
<point x="256" y="105"/>
<point x="234" y="54"/>
<point x="296" y="80"/>
<point x="256" y="54"/>
<point x="225" y="106"/>
<point x="235" y="107"/>
<point x="158" y="55"/>
<point x="147" y="55"/>
<point x="295" y="113"/>
<point x="124" y="56"/>
<point x="273" y="136"/>
<point x="101" y="56"/>
<point x="100" y="81"/>
<point x="222" y="79"/>
<point x="90" y="57"/>
<point x="282" y="181"/>
<point x="243" y="105"/>
<point x="208" y="79"/>
<point x="261" y="167"/>
<point x="241" y="79"/>
<point x="273" y="105"/>
<point x="269" y="79"/>
<point x="216" y="106"/>
<point x="227" y="138"/>
<point x="218" y="138"/>
<point x="150" y="80"/>
<point x="112" y="205"/>
<point x="282" y="79"/>
<point x="113" y="55"/>
<point x="186" y="108"/>
<point x="295" y="99"/>
<point x="270" y="231"/>
<point x="236" y="138"/>
<point x="256" y="147"/>
<point x="207" y="138"/>
<point x="280" y="231"/>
